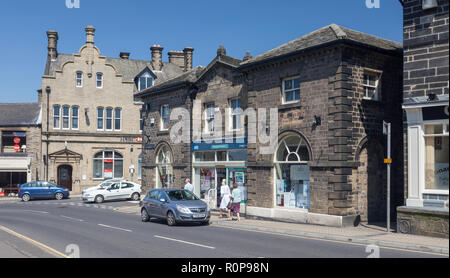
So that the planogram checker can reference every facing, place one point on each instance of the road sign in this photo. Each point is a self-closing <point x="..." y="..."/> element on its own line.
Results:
<point x="17" y="148"/>
<point x="16" y="140"/>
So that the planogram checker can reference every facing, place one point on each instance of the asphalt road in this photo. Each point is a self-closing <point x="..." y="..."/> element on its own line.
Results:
<point x="72" y="228"/>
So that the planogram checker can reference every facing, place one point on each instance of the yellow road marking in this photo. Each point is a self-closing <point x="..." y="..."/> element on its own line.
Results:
<point x="41" y="245"/>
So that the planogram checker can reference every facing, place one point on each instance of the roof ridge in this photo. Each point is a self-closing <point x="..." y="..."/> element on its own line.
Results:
<point x="340" y="34"/>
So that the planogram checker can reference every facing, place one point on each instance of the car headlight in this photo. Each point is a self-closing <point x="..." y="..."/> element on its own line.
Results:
<point x="183" y="209"/>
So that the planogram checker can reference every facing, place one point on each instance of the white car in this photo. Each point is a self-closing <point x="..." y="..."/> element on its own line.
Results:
<point x="115" y="189"/>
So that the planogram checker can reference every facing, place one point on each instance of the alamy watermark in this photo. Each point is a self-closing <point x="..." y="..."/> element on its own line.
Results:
<point x="73" y="251"/>
<point x="73" y="4"/>
<point x="370" y="4"/>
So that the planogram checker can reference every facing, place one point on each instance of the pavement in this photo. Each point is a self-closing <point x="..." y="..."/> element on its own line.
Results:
<point x="362" y="234"/>
<point x="114" y="229"/>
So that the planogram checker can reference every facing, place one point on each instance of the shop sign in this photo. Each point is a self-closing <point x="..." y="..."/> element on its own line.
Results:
<point x="220" y="146"/>
<point x="108" y="173"/>
<point x="17" y="148"/>
<point x="16" y="140"/>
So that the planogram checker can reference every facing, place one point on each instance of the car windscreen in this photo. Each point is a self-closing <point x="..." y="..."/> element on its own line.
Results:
<point x="181" y="195"/>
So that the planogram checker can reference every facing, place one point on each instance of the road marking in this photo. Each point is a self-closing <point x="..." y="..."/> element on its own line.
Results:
<point x="187" y="242"/>
<point x="330" y="240"/>
<point x="41" y="245"/>
<point x="80" y="220"/>
<point x="111" y="227"/>
<point x="44" y="212"/>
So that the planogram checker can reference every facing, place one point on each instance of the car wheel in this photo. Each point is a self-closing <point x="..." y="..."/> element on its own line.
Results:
<point x="26" y="197"/>
<point x="135" y="196"/>
<point x="205" y="223"/>
<point x="59" y="196"/>
<point x="145" y="217"/>
<point x="171" y="219"/>
<point x="99" y="199"/>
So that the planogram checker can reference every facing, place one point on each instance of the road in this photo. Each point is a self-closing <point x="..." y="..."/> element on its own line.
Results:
<point x="70" y="227"/>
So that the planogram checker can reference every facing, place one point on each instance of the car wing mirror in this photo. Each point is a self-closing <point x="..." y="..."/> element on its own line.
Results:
<point x="163" y="200"/>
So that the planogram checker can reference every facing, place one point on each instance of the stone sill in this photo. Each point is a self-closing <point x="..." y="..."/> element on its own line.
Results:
<point x="290" y="106"/>
<point x="424" y="210"/>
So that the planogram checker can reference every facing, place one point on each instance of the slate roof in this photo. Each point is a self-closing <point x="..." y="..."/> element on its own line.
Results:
<point x="325" y="35"/>
<point x="128" y="68"/>
<point x="187" y="77"/>
<point x="20" y="114"/>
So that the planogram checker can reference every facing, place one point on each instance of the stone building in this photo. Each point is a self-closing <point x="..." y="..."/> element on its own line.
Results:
<point x="20" y="145"/>
<point x="91" y="127"/>
<point x="332" y="90"/>
<point x="426" y="99"/>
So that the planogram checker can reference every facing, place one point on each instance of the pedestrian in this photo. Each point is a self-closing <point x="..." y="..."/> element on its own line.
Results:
<point x="225" y="198"/>
<point x="188" y="185"/>
<point x="236" y="197"/>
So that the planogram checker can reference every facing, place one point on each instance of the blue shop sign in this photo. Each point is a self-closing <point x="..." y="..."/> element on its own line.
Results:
<point x="238" y="143"/>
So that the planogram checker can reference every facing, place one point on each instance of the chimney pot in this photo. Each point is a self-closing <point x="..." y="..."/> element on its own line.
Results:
<point x="90" y="35"/>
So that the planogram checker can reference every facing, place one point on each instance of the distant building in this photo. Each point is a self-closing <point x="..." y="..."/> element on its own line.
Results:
<point x="20" y="145"/>
<point x="91" y="127"/>
<point x="332" y="88"/>
<point x="425" y="102"/>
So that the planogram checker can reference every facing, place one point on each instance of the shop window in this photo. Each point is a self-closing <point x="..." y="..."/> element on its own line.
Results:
<point x="222" y="156"/>
<point x="11" y="139"/>
<point x="237" y="155"/>
<point x="108" y="165"/>
<point x="164" y="168"/>
<point x="436" y="157"/>
<point x="292" y="173"/>
<point x="204" y="156"/>
<point x="291" y="90"/>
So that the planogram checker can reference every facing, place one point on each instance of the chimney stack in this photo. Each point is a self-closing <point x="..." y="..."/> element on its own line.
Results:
<point x="156" y="57"/>
<point x="125" y="55"/>
<point x="176" y="58"/>
<point x="52" y="37"/>
<point x="188" y="53"/>
<point x="221" y="51"/>
<point x="90" y="34"/>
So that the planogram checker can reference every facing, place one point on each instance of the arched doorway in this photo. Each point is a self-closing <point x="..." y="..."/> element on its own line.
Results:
<point x="371" y="183"/>
<point x="164" y="169"/>
<point x="292" y="173"/>
<point x="65" y="176"/>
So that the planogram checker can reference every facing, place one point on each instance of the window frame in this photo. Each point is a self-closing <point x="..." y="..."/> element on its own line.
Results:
<point x="284" y="91"/>
<point x="115" y="119"/>
<point x="102" y="159"/>
<point x="208" y="118"/>
<point x="72" y="117"/>
<point x="102" y="118"/>
<point x="79" y="79"/>
<point x="146" y="76"/>
<point x="162" y="128"/>
<point x="57" y="116"/>
<point x="233" y="114"/>
<point x="111" y="118"/>
<point x="377" y="75"/>
<point x="65" y="117"/>
<point x="97" y="80"/>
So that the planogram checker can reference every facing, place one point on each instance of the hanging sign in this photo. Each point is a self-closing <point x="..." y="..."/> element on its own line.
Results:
<point x="17" y="148"/>
<point x="16" y="140"/>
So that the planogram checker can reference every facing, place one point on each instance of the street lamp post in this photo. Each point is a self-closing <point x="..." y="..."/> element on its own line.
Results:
<point x="388" y="161"/>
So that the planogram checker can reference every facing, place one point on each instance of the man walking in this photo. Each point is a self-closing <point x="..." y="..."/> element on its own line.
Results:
<point x="188" y="185"/>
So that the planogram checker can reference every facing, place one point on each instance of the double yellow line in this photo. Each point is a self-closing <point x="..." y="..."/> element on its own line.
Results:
<point x="34" y="242"/>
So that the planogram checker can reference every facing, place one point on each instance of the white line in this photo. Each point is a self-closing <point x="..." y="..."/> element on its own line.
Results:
<point x="187" y="242"/>
<point x="36" y="211"/>
<point x="81" y="220"/>
<point x="103" y="225"/>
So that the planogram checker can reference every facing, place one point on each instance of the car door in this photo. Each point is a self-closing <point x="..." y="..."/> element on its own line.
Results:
<point x="45" y="190"/>
<point x="151" y="205"/>
<point x="113" y="192"/>
<point x="160" y="207"/>
<point x="126" y="189"/>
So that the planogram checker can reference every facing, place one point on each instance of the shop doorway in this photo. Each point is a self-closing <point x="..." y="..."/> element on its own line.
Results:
<point x="65" y="176"/>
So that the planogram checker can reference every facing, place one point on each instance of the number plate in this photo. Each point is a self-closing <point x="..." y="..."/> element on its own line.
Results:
<point x="199" y="215"/>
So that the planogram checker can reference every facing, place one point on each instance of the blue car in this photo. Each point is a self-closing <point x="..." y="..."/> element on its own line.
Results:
<point x="42" y="190"/>
<point x="175" y="206"/>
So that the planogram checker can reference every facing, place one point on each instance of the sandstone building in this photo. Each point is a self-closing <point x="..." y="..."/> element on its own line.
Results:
<point x="332" y="89"/>
<point x="91" y="128"/>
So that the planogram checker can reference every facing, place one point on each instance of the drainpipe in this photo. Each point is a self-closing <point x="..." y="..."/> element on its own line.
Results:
<point x="48" y="91"/>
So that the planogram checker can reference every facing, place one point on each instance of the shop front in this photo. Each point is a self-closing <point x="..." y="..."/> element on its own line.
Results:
<point x="428" y="155"/>
<point x="14" y="171"/>
<point x="213" y="163"/>
<point x="292" y="187"/>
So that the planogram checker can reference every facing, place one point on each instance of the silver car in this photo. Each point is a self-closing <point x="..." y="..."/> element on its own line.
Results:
<point x="175" y="206"/>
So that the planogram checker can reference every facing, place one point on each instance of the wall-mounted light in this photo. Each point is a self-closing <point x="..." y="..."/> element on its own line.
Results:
<point x="48" y="90"/>
<point x="429" y="4"/>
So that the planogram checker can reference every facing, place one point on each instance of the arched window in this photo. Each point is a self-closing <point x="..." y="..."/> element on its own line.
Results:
<point x="108" y="165"/>
<point x="164" y="175"/>
<point x="292" y="173"/>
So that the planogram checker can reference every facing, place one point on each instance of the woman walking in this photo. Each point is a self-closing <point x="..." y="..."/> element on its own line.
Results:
<point x="225" y="198"/>
<point x="236" y="197"/>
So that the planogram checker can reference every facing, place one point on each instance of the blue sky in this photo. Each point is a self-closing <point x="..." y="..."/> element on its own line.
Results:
<point x="134" y="25"/>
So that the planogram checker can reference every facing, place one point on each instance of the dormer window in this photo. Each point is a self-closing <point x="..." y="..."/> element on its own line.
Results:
<point x="79" y="79"/>
<point x="145" y="81"/>
<point x="99" y="80"/>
